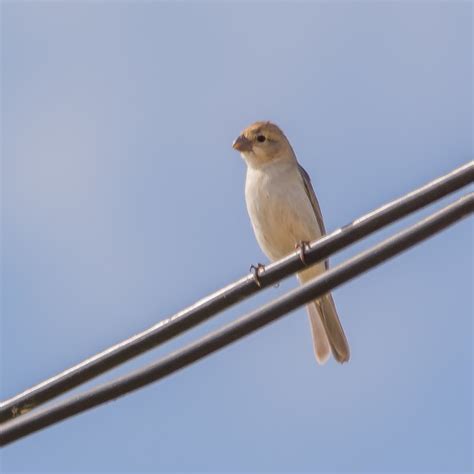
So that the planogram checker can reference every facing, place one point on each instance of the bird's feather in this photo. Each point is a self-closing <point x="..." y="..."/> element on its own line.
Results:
<point x="314" y="201"/>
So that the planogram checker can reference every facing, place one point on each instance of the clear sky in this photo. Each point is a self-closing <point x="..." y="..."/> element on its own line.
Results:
<point x="122" y="202"/>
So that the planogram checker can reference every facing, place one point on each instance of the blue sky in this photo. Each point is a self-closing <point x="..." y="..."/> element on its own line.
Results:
<point x="122" y="202"/>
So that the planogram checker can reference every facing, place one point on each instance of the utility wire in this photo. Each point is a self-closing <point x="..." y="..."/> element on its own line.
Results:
<point x="41" y="418"/>
<point x="231" y="294"/>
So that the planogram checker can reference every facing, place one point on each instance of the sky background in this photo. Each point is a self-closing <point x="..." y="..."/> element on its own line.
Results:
<point x="122" y="202"/>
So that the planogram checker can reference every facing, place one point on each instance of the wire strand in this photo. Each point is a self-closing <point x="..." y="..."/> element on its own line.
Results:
<point x="41" y="418"/>
<point x="233" y="293"/>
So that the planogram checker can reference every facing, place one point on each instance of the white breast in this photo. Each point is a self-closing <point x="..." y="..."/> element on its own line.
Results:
<point x="280" y="211"/>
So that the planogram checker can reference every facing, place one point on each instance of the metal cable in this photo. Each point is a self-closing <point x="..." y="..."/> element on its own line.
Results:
<point x="41" y="418"/>
<point x="233" y="293"/>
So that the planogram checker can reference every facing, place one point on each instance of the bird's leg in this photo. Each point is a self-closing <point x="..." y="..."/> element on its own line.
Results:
<point x="302" y="247"/>
<point x="255" y="269"/>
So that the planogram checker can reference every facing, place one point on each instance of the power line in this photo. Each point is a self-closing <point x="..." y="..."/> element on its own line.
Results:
<point x="39" y="419"/>
<point x="226" y="297"/>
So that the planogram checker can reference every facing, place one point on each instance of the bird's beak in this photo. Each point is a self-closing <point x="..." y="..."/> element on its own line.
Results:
<point x="241" y="143"/>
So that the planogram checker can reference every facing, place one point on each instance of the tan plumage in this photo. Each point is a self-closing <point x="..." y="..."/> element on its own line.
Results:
<point x="284" y="212"/>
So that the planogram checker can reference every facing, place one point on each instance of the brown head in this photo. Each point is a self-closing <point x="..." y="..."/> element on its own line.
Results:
<point x="263" y="142"/>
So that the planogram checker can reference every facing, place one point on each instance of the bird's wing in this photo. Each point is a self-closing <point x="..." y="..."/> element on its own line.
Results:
<point x="314" y="201"/>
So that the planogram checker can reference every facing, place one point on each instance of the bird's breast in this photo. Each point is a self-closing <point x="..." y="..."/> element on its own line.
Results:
<point x="279" y="209"/>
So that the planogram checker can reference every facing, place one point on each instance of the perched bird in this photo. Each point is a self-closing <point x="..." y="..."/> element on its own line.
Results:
<point x="285" y="213"/>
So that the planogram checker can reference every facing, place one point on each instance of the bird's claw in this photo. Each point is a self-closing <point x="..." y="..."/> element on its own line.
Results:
<point x="302" y="247"/>
<point x="254" y="270"/>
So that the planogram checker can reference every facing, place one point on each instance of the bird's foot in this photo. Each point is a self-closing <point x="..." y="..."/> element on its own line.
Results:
<point x="302" y="247"/>
<point x="255" y="270"/>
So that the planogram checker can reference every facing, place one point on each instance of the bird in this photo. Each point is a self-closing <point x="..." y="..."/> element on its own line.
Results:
<point x="285" y="215"/>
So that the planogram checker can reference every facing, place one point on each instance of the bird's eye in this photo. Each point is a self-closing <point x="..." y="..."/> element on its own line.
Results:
<point x="261" y="138"/>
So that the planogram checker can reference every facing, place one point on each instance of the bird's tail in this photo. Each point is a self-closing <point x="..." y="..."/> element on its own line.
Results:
<point x="326" y="328"/>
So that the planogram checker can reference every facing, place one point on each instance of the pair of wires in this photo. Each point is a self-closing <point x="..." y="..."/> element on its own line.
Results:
<point x="21" y="415"/>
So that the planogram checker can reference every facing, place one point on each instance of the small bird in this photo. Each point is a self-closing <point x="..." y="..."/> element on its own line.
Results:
<point x="285" y="214"/>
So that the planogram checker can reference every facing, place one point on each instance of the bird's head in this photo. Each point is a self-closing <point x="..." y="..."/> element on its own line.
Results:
<point x="263" y="142"/>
